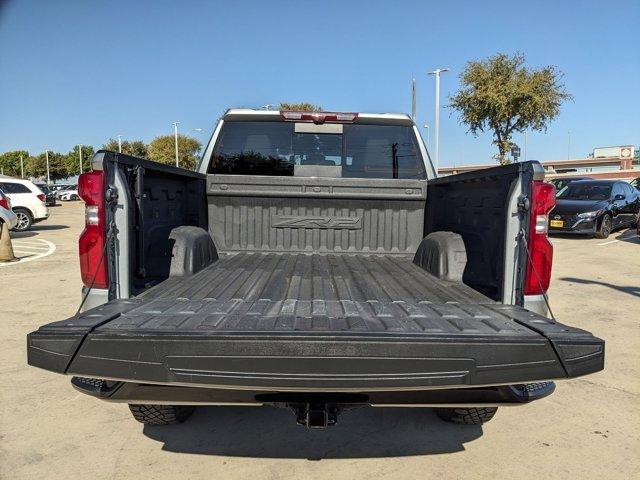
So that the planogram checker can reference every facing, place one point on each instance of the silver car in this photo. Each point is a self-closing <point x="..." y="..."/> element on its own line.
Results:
<point x="6" y="214"/>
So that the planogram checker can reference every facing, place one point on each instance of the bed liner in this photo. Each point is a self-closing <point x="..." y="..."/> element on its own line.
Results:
<point x="334" y="322"/>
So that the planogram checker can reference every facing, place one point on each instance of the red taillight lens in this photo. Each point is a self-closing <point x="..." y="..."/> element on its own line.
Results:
<point x="93" y="267"/>
<point x="4" y="201"/>
<point x="538" y="272"/>
<point x="42" y="197"/>
<point x="319" y="117"/>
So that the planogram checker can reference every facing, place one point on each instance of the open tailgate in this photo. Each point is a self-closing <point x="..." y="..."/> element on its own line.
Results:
<point x="314" y="345"/>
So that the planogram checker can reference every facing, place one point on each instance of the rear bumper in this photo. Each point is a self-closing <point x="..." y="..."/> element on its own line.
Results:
<point x="127" y="392"/>
<point x="582" y="227"/>
<point x="533" y="349"/>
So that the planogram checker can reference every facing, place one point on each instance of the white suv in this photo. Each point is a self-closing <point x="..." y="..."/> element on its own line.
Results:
<point x="27" y="201"/>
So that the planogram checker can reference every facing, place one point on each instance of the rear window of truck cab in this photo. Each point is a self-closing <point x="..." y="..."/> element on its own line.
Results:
<point x="335" y="150"/>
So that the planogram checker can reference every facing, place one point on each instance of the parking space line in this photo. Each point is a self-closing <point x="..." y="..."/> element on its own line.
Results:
<point x="30" y="247"/>
<point x="28" y="253"/>
<point x="621" y="237"/>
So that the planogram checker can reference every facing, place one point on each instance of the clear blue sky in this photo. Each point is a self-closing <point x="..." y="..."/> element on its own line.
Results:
<point x="78" y="71"/>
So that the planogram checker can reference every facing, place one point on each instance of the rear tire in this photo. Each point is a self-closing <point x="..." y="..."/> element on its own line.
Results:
<point x="604" y="230"/>
<point x="161" y="414"/>
<point x="467" y="416"/>
<point x="25" y="219"/>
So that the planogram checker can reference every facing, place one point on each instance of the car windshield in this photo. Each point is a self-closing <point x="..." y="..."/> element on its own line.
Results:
<point x="356" y="151"/>
<point x="585" y="191"/>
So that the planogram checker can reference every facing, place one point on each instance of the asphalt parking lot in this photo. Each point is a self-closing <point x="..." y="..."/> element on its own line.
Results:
<point x="587" y="429"/>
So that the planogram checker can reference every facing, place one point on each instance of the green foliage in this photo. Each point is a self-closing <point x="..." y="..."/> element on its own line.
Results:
<point x="10" y="162"/>
<point x="37" y="166"/>
<point x="137" y="148"/>
<point x="72" y="160"/>
<point x="502" y="95"/>
<point x="300" y="107"/>
<point x="162" y="149"/>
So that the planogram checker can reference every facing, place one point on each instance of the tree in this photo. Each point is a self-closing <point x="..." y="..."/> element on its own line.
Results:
<point x="72" y="160"/>
<point x="162" y="149"/>
<point x="300" y="107"/>
<point x="501" y="94"/>
<point x="37" y="166"/>
<point x="10" y="162"/>
<point x="137" y="148"/>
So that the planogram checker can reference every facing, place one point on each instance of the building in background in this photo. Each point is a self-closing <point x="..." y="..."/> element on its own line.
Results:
<point x="605" y="162"/>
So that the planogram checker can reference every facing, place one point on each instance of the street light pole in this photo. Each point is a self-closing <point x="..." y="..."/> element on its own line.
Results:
<point x="525" y="145"/>
<point x="80" y="155"/>
<point x="46" y="154"/>
<point x="436" y="142"/>
<point x="119" y="143"/>
<point x="175" y="136"/>
<point x="21" y="167"/>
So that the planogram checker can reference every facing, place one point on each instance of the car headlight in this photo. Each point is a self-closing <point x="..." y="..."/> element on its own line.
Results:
<point x="590" y="214"/>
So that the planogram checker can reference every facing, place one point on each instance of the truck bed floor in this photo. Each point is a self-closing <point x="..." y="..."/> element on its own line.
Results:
<point x="253" y="291"/>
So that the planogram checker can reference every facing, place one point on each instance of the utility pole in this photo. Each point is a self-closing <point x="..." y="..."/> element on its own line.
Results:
<point x="80" y="155"/>
<point x="21" y="167"/>
<point x="46" y="154"/>
<point x="413" y="99"/>
<point x="175" y="136"/>
<point x="119" y="143"/>
<point x="436" y="149"/>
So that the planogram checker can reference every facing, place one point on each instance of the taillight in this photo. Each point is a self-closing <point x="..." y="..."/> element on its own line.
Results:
<point x="319" y="117"/>
<point x="42" y="197"/>
<point x="4" y="201"/>
<point x="93" y="265"/>
<point x="538" y="272"/>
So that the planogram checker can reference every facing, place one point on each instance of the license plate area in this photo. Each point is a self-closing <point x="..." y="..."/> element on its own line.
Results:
<point x="556" y="223"/>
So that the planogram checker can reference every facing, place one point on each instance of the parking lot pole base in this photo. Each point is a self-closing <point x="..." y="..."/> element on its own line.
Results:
<point x="6" y="248"/>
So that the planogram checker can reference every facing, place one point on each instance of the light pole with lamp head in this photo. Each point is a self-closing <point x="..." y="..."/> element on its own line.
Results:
<point x="436" y="142"/>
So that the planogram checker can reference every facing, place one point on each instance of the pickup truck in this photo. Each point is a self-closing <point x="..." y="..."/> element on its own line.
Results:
<point x="314" y="261"/>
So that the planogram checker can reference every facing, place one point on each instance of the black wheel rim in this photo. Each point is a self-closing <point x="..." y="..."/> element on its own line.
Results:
<point x="606" y="225"/>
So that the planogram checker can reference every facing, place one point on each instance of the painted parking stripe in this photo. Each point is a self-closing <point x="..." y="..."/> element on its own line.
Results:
<point x="27" y="253"/>
<point x="30" y="247"/>
<point x="621" y="237"/>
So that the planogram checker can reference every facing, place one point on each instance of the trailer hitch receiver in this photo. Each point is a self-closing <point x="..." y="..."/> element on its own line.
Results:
<point x="315" y="415"/>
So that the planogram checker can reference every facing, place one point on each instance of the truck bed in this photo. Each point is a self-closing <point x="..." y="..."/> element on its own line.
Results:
<point x="278" y="322"/>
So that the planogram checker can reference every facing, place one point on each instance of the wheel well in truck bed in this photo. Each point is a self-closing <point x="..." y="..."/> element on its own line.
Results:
<point x="475" y="206"/>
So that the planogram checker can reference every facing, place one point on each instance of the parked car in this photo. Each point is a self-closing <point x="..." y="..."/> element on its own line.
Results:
<point x="595" y="207"/>
<point x="70" y="194"/>
<point x="6" y="214"/>
<point x="560" y="183"/>
<point x="27" y="201"/>
<point x="314" y="262"/>
<point x="64" y="188"/>
<point x="50" y="194"/>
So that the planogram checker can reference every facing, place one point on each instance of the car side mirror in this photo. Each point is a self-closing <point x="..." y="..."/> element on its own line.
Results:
<point x="619" y="197"/>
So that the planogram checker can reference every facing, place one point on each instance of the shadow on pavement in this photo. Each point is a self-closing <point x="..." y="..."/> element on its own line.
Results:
<point x="48" y="227"/>
<point x="269" y="432"/>
<point x="35" y="231"/>
<point x="631" y="290"/>
<point x="615" y="235"/>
